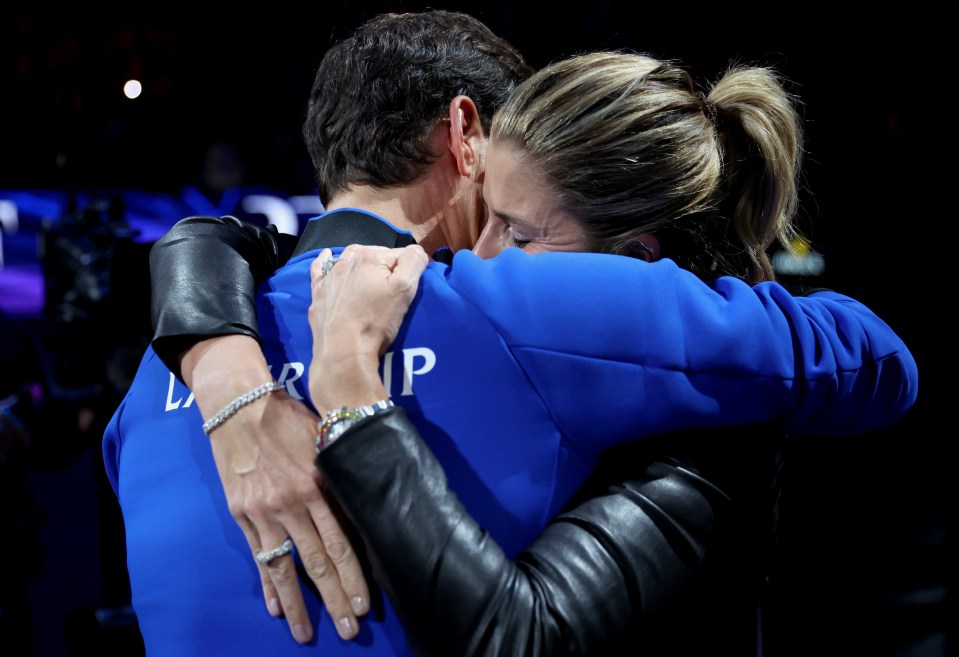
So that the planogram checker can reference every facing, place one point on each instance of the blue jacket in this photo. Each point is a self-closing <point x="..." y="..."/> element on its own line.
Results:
<point x="519" y="371"/>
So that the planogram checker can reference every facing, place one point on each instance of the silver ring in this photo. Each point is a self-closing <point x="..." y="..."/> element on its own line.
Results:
<point x="328" y="264"/>
<point x="264" y="558"/>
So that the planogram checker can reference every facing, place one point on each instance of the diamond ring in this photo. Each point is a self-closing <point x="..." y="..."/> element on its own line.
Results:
<point x="264" y="558"/>
<point x="328" y="265"/>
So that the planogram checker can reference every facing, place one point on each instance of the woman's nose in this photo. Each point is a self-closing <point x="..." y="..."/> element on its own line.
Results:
<point x="492" y="240"/>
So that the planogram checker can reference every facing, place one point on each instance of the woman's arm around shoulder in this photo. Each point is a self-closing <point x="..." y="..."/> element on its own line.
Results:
<point x="204" y="274"/>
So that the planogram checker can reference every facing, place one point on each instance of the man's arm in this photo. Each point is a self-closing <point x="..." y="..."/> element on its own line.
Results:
<point x="659" y="350"/>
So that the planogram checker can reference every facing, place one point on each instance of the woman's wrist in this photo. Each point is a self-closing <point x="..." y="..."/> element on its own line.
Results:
<point x="348" y="379"/>
<point x="218" y="370"/>
<point x="340" y="420"/>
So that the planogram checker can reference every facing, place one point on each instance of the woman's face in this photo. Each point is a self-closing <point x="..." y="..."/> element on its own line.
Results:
<point x="522" y="208"/>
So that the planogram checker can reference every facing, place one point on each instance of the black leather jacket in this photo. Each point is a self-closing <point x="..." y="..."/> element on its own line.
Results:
<point x="662" y="552"/>
<point x="662" y="562"/>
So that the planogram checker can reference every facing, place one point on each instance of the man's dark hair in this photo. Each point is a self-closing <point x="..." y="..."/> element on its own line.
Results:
<point x="378" y="93"/>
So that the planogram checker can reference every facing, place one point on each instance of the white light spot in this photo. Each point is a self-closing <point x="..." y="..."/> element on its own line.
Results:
<point x="132" y="89"/>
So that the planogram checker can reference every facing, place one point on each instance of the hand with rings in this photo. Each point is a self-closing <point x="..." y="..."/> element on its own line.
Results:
<point x="359" y="303"/>
<point x="327" y="265"/>
<point x="265" y="458"/>
<point x="266" y="558"/>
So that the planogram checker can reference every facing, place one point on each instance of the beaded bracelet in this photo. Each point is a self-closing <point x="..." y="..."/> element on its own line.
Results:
<point x="238" y="403"/>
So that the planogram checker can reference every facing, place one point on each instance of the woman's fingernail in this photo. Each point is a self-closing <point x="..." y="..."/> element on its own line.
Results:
<point x="274" y="606"/>
<point x="359" y="608"/>
<point x="299" y="633"/>
<point x="346" y="627"/>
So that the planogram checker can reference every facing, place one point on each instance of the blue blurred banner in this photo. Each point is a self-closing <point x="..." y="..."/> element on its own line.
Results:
<point x="27" y="215"/>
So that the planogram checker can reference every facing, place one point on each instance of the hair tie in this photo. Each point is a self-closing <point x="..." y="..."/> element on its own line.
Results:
<point x="709" y="108"/>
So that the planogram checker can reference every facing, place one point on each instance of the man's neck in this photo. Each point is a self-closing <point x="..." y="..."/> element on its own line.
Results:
<point x="422" y="207"/>
<point x="392" y="205"/>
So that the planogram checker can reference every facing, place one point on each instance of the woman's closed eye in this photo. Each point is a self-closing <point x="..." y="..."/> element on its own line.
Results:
<point x="517" y="237"/>
<point x="519" y="241"/>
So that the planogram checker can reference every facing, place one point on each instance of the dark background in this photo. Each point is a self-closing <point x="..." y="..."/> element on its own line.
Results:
<point x="873" y="515"/>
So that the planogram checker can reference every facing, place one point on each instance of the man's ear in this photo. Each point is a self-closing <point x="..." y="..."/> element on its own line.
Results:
<point x="645" y="246"/>
<point x="467" y="137"/>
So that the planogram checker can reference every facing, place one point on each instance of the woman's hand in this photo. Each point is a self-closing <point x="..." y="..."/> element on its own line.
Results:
<point x="359" y="302"/>
<point x="265" y="457"/>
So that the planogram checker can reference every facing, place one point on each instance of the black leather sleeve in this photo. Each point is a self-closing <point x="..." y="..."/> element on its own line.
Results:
<point x="204" y="274"/>
<point x="595" y="571"/>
